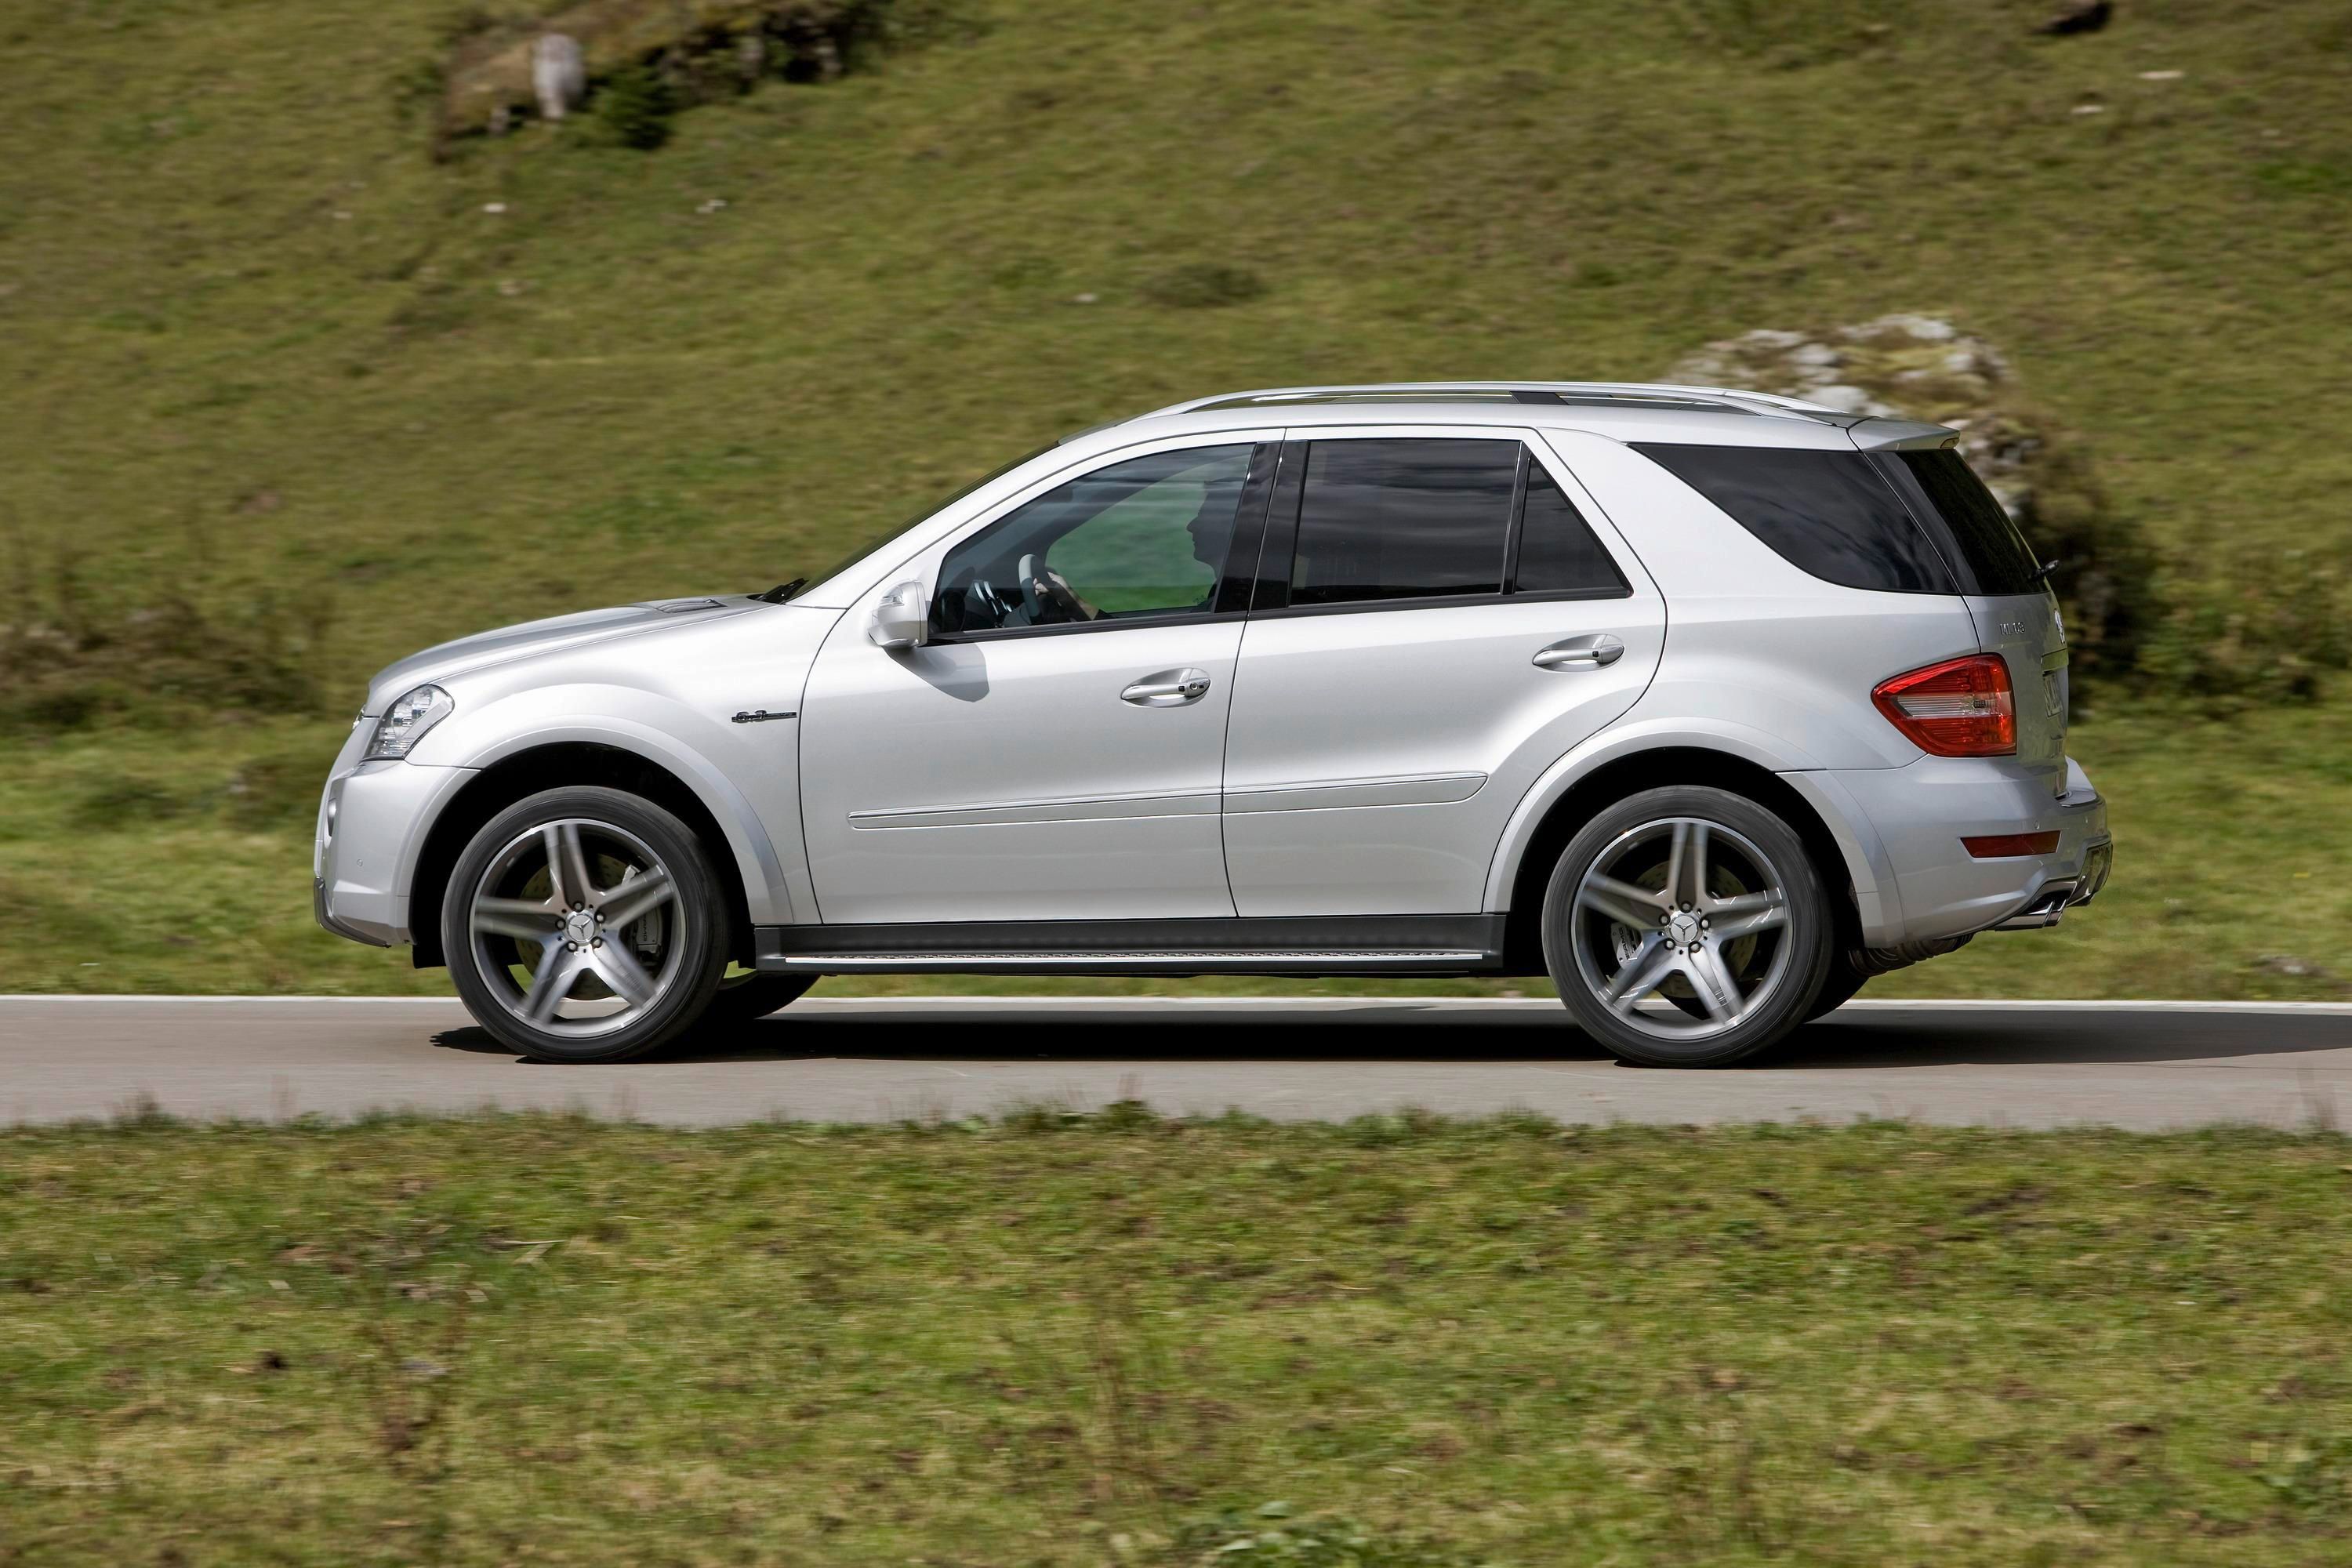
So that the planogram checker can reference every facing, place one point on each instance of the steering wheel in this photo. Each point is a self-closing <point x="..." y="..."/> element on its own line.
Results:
<point x="1031" y="600"/>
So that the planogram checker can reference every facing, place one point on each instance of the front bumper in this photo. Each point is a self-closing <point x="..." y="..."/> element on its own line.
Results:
<point x="1931" y="888"/>
<point x="373" y="820"/>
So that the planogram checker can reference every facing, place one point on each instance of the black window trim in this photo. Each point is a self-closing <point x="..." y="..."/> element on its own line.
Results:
<point x="1272" y="598"/>
<point x="1256" y="487"/>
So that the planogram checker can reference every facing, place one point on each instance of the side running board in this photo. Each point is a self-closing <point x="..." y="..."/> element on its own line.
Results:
<point x="1350" y="944"/>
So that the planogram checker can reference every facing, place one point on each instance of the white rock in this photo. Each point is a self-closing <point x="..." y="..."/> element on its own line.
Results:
<point x="1926" y="329"/>
<point x="1848" y="400"/>
<point x="558" y="77"/>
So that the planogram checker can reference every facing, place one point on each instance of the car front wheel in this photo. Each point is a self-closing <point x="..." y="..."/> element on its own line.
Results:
<point x="1687" y="926"/>
<point x="584" y="925"/>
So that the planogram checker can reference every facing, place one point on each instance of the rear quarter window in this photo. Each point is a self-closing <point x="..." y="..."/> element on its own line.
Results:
<point x="1832" y="514"/>
<point x="1965" y="520"/>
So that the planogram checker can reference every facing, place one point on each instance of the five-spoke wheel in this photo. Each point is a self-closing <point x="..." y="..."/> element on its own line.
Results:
<point x="585" y="925"/>
<point x="1686" y="926"/>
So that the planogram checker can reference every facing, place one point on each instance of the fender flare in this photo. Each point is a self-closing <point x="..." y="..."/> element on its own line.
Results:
<point x="756" y="860"/>
<point x="1875" y="891"/>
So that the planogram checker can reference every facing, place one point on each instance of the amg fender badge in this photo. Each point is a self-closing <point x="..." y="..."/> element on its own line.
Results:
<point x="761" y="716"/>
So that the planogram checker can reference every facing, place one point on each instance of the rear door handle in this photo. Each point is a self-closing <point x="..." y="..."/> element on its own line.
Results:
<point x="1580" y="653"/>
<point x="1168" y="688"/>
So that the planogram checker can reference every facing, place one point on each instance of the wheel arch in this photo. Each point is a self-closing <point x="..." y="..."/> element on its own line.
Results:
<point x="1565" y="802"/>
<point x="740" y="851"/>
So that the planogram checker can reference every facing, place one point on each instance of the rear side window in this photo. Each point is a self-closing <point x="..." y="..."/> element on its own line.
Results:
<point x="1965" y="520"/>
<point x="1833" y="514"/>
<point x="1558" y="554"/>
<point x="1402" y="519"/>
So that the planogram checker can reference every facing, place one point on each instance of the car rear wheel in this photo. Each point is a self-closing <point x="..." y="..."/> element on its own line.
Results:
<point x="584" y="925"/>
<point x="1687" y="926"/>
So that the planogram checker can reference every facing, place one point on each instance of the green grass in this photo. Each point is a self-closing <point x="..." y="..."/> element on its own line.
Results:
<point x="224" y="281"/>
<point x="1057" y="1339"/>
<point x="270" y="366"/>
<point x="164" y="863"/>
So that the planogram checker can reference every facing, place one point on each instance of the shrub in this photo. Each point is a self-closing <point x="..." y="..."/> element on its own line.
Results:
<point x="635" y="106"/>
<point x="1203" y="285"/>
<point x="64" y="663"/>
<point x="2252" y="628"/>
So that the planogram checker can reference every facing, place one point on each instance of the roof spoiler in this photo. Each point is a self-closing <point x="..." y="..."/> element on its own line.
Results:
<point x="1900" y="435"/>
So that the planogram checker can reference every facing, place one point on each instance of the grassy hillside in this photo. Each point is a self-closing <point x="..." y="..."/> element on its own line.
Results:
<point x="285" y="397"/>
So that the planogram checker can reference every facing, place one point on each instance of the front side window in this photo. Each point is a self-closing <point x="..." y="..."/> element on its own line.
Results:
<point x="1403" y="518"/>
<point x="1141" y="539"/>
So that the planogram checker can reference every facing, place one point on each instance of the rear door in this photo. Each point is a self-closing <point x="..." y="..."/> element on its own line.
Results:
<point x="1440" y="616"/>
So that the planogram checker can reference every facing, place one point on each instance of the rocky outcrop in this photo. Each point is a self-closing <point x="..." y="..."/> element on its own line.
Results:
<point x="492" y="77"/>
<point x="1924" y="367"/>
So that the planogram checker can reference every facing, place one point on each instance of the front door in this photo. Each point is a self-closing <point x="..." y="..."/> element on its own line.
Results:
<point x="1435" y="623"/>
<point x="1053" y="752"/>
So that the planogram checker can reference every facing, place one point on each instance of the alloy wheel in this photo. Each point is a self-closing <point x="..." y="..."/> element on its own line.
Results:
<point x="1679" y="928"/>
<point x="576" y="927"/>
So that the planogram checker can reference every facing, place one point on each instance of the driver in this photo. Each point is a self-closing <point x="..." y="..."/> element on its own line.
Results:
<point x="1210" y="533"/>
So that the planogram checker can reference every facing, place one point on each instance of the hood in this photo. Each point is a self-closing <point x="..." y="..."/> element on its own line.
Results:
<point x="531" y="639"/>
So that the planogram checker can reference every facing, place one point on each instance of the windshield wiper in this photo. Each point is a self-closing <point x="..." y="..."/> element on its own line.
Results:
<point x="781" y="592"/>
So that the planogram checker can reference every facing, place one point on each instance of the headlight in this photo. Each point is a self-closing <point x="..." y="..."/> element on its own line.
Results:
<point x="405" y="720"/>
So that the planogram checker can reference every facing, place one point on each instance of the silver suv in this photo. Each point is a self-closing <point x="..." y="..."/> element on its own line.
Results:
<point x="1708" y="705"/>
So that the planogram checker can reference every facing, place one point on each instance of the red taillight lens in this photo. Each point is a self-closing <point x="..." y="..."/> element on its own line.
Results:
<point x="2004" y="846"/>
<point x="1961" y="708"/>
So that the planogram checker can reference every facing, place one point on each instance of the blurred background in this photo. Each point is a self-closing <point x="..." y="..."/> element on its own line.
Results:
<point x="321" y="342"/>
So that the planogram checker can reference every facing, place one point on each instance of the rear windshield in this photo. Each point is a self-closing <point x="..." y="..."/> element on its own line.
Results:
<point x="1833" y="514"/>
<point x="1967" y="523"/>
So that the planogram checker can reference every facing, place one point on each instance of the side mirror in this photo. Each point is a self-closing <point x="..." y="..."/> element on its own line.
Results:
<point x="903" y="618"/>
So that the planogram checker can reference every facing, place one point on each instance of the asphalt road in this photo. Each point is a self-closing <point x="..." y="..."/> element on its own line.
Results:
<point x="2149" y="1065"/>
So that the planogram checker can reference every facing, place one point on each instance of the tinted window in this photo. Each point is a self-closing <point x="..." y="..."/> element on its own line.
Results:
<point x="1557" y="553"/>
<point x="1964" y="518"/>
<point x="1145" y="537"/>
<point x="1402" y="519"/>
<point x="1829" y="513"/>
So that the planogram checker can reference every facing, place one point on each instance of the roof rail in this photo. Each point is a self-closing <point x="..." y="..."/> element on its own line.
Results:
<point x="1732" y="397"/>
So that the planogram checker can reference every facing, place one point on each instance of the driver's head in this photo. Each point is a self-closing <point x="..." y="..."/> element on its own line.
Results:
<point x="1212" y="529"/>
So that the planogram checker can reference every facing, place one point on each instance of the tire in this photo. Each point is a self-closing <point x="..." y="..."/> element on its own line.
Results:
<point x="743" y="999"/>
<point x="1705" y="982"/>
<point x="1838" y="988"/>
<point x="640" y="948"/>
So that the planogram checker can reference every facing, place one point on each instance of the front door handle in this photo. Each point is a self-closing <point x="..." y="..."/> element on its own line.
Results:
<point x="1169" y="689"/>
<point x="1580" y="653"/>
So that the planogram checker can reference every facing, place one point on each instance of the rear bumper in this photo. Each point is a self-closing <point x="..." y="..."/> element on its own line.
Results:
<point x="1931" y="887"/>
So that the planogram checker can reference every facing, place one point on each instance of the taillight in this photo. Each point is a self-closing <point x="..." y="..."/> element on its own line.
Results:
<point x="1961" y="708"/>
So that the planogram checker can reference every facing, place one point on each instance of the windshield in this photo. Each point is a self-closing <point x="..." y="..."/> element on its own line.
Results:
<point x="817" y="579"/>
